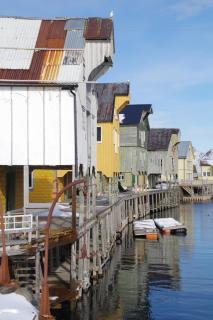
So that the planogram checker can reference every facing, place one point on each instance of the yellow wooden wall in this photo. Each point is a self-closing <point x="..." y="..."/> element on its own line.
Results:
<point x="108" y="161"/>
<point x="45" y="185"/>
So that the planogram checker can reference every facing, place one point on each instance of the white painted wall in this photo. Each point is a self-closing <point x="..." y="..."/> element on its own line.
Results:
<point x="37" y="126"/>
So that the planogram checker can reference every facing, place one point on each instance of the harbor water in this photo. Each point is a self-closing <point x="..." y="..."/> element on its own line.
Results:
<point x="171" y="278"/>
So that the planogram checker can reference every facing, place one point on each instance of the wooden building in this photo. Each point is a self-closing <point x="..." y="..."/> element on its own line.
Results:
<point x="206" y="170"/>
<point x="163" y="156"/>
<point x="112" y="98"/>
<point x="47" y="107"/>
<point x="185" y="161"/>
<point x="134" y="130"/>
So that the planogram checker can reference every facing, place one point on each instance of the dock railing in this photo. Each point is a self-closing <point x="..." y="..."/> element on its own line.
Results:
<point x="18" y="223"/>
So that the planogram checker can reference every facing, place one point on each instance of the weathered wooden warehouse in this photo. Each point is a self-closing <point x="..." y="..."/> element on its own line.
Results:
<point x="47" y="107"/>
<point x="163" y="156"/>
<point x="134" y="125"/>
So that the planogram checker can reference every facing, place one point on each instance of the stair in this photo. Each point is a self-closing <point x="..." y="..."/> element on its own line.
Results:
<point x="25" y="271"/>
<point x="189" y="190"/>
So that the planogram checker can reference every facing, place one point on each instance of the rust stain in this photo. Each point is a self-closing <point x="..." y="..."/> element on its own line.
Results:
<point x="98" y="29"/>
<point x="51" y="35"/>
<point x="51" y="65"/>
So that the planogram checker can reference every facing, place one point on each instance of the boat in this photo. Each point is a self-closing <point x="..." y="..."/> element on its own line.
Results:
<point x="145" y="229"/>
<point x="170" y="226"/>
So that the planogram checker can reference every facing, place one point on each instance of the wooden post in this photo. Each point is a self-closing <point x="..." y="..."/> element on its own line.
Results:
<point x="26" y="187"/>
<point x="73" y="265"/>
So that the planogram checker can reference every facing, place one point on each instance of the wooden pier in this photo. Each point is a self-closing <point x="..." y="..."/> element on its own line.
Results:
<point x="78" y="258"/>
<point x="196" y="190"/>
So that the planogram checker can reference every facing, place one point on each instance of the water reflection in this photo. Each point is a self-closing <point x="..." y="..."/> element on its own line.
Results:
<point x="165" y="279"/>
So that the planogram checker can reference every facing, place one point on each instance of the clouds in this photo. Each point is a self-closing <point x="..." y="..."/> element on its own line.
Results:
<point x="189" y="8"/>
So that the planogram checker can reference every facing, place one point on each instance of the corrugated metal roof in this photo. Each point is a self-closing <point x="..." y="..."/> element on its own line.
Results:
<point x="21" y="39"/>
<point x="75" y="39"/>
<point x="106" y="93"/>
<point x="75" y="24"/>
<point x="132" y="113"/>
<point x="159" y="139"/>
<point x="51" y="64"/>
<point x="98" y="29"/>
<point x="17" y="33"/>
<point x="183" y="149"/>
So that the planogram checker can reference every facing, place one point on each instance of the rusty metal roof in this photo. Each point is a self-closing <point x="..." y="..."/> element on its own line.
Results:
<point x="106" y="93"/>
<point x="24" y="45"/>
<point x="159" y="139"/>
<point x="98" y="29"/>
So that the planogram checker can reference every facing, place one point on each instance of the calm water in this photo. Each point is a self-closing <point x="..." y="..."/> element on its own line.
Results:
<point x="167" y="279"/>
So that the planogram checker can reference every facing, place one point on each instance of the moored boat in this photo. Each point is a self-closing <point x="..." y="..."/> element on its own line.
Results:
<point x="170" y="226"/>
<point x="146" y="229"/>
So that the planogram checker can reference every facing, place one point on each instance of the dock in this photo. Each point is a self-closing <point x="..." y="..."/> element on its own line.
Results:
<point x="77" y="257"/>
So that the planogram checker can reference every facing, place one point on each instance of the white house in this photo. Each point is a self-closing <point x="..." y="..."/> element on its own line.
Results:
<point x="48" y="107"/>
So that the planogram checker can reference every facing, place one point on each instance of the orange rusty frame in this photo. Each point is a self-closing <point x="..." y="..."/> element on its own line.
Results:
<point x="44" y="301"/>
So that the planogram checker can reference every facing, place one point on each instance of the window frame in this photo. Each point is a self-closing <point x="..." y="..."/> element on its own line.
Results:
<point x="101" y="140"/>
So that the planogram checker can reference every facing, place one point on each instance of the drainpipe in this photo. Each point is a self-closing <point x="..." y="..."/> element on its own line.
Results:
<point x="75" y="130"/>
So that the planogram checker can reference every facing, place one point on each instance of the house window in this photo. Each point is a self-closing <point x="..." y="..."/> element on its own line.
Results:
<point x="99" y="134"/>
<point x="31" y="180"/>
<point x="208" y="174"/>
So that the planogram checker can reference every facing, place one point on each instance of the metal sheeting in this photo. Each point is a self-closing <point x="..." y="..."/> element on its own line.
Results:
<point x="62" y="66"/>
<point x="51" y="64"/>
<point x="37" y="126"/>
<point x="73" y="57"/>
<point x="75" y="39"/>
<point x="17" y="33"/>
<point x="70" y="73"/>
<point x="62" y="34"/>
<point x="76" y="24"/>
<point x="98" y="29"/>
<point x="95" y="53"/>
<point x="51" y="30"/>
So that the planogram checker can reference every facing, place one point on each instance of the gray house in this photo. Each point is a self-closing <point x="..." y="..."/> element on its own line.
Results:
<point x="163" y="155"/>
<point x="134" y="128"/>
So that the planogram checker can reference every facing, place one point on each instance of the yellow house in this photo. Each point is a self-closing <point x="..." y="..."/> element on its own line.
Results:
<point x="112" y="98"/>
<point x="206" y="170"/>
<point x="45" y="183"/>
<point x="185" y="161"/>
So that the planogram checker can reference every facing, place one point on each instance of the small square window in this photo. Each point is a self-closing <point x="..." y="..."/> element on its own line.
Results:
<point x="99" y="134"/>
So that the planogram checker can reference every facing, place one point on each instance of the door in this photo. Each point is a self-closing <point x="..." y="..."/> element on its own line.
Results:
<point x="10" y="190"/>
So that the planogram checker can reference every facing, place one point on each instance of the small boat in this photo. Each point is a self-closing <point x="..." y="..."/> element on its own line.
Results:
<point x="146" y="229"/>
<point x="170" y="226"/>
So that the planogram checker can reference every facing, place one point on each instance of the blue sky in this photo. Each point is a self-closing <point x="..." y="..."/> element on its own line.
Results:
<point x="163" y="47"/>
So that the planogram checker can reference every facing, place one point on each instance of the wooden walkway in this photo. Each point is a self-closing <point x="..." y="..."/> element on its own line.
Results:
<point x="75" y="261"/>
